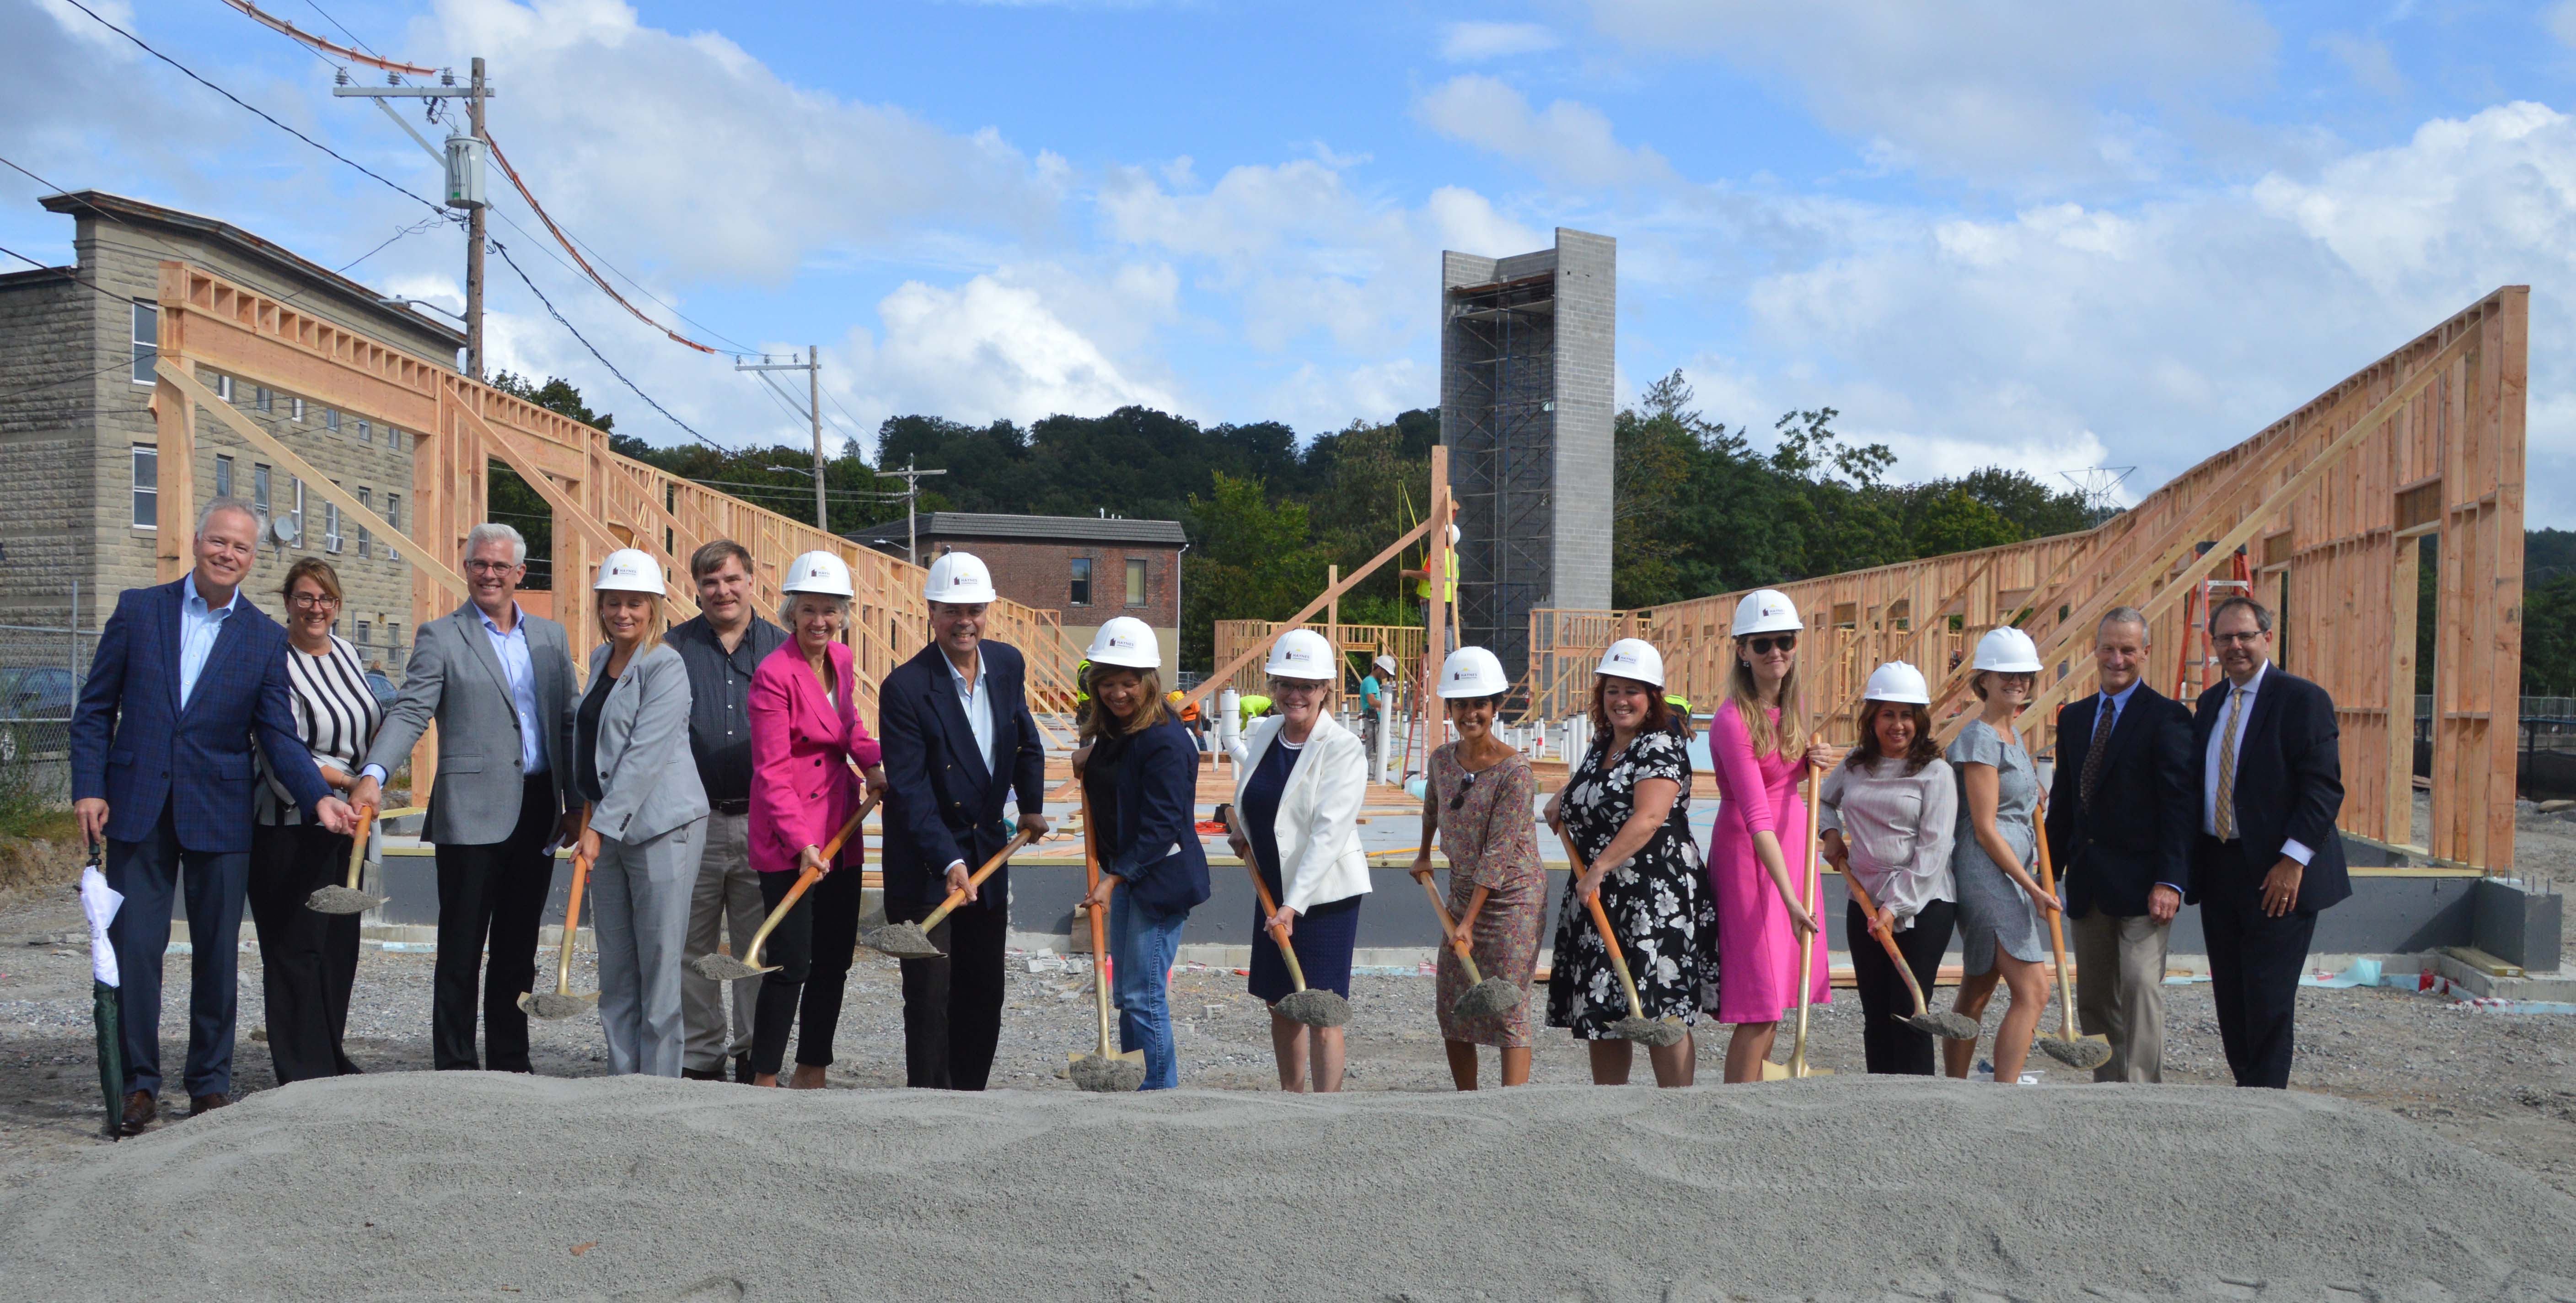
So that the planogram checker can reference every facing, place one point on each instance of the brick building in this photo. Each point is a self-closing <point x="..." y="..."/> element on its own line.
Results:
<point x="78" y="447"/>
<point x="1086" y="569"/>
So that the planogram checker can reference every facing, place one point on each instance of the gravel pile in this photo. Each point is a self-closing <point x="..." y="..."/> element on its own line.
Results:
<point x="421" y="1186"/>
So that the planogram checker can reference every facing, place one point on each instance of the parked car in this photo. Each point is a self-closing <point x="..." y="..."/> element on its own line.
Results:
<point x="383" y="687"/>
<point x="35" y="709"/>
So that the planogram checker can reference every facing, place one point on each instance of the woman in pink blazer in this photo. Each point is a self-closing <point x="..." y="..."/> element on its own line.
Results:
<point x="805" y="737"/>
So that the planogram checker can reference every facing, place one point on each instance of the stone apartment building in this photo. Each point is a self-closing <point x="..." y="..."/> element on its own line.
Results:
<point x="79" y="471"/>
<point x="1086" y="569"/>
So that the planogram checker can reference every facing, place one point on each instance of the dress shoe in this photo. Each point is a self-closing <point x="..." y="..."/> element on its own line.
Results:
<point x="201" y="1105"/>
<point x="701" y="1074"/>
<point x="140" y="1108"/>
<point x="742" y="1069"/>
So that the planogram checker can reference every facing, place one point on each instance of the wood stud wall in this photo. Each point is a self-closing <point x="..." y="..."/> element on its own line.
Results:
<point x="2330" y="525"/>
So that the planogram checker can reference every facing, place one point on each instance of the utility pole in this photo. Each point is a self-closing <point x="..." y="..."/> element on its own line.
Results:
<point x="463" y="162"/>
<point x="812" y="366"/>
<point x="911" y="476"/>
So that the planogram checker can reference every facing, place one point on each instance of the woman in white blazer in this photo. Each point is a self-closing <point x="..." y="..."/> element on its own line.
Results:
<point x="1299" y="790"/>
<point x="648" y="816"/>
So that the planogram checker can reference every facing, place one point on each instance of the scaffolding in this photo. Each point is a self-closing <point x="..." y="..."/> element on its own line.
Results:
<point x="1503" y="453"/>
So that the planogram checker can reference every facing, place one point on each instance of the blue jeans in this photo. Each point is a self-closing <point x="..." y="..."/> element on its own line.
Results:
<point x="1141" y="946"/>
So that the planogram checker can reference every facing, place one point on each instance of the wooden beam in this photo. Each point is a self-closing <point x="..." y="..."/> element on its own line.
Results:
<point x="175" y="374"/>
<point x="569" y="508"/>
<point x="2399" y="818"/>
<point x="1227" y="671"/>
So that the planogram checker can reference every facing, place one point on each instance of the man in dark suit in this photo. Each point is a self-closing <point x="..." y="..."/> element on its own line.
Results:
<point x="958" y="740"/>
<point x="186" y="674"/>
<point x="2268" y="857"/>
<point x="2120" y="813"/>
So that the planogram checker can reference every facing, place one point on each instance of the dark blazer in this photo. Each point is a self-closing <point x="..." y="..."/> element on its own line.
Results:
<point x="1155" y="845"/>
<point x="134" y="747"/>
<point x="2289" y="784"/>
<point x="943" y="802"/>
<point x="2139" y="830"/>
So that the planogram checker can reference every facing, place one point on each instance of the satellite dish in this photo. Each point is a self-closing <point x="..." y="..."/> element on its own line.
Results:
<point x="280" y="531"/>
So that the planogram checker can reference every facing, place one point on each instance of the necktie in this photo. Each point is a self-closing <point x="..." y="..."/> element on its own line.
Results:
<point x="2101" y="745"/>
<point x="2227" y="769"/>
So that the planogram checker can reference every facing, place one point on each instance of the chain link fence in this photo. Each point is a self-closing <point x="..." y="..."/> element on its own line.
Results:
<point x="41" y="670"/>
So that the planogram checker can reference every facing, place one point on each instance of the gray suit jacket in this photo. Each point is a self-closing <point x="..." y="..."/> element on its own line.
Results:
<point x="648" y="777"/>
<point x="455" y="678"/>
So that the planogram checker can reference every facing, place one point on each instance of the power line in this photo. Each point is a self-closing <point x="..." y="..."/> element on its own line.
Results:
<point x="595" y="278"/>
<point x="344" y="28"/>
<point x="504" y="251"/>
<point x="192" y="76"/>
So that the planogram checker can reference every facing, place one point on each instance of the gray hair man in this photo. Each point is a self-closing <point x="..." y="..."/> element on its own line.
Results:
<point x="2121" y="810"/>
<point x="499" y="683"/>
<point x="723" y="646"/>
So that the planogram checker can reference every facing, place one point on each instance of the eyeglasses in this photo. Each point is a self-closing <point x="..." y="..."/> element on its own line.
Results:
<point x="491" y="567"/>
<point x="2236" y="639"/>
<point x="1466" y="784"/>
<point x="313" y="602"/>
<point x="1763" y="646"/>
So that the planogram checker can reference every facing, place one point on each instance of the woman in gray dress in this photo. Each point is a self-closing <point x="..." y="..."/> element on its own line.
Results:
<point x="2001" y="906"/>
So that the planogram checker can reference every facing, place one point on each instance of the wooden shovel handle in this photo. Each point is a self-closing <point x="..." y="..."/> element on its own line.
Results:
<point x="1601" y="924"/>
<point x="2056" y="918"/>
<point x="805" y="878"/>
<point x="358" y="844"/>
<point x="1269" y="907"/>
<point x="1000" y="857"/>
<point x="1879" y="927"/>
<point x="1099" y="933"/>
<point x="572" y="906"/>
<point x="1449" y="926"/>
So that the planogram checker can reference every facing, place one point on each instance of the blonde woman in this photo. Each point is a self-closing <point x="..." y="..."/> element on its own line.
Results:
<point x="1299" y="790"/>
<point x="2002" y="911"/>
<point x="648" y="815"/>
<point x="1757" y="740"/>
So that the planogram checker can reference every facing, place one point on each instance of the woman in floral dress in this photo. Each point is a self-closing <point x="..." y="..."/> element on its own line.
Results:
<point x="1627" y="807"/>
<point x="1478" y="806"/>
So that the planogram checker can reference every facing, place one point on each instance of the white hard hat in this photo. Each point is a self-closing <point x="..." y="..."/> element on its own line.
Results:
<point x="818" y="572"/>
<point x="1384" y="662"/>
<point x="628" y="570"/>
<point x="1898" y="682"/>
<point x="1633" y="658"/>
<point x="1766" y="610"/>
<point x="1472" y="672"/>
<point x="2007" y="650"/>
<point x="960" y="579"/>
<point x="1301" y="654"/>
<point x="1126" y="641"/>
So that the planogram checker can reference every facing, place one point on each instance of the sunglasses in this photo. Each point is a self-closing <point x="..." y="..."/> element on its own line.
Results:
<point x="1763" y="646"/>
<point x="1466" y="784"/>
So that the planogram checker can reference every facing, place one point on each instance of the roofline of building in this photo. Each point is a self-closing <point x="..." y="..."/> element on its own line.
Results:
<point x="121" y="208"/>
<point x="1003" y="526"/>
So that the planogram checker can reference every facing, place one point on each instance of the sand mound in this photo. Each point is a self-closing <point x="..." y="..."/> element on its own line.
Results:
<point x="457" y="1185"/>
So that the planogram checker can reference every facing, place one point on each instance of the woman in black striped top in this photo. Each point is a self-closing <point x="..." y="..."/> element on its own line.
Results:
<point x="308" y="960"/>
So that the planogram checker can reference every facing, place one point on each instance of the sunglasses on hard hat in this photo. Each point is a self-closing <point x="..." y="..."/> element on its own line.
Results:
<point x="1762" y="646"/>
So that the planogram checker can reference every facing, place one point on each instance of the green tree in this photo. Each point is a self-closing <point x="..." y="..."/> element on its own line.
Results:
<point x="509" y="500"/>
<point x="1259" y="562"/>
<point x="1957" y="522"/>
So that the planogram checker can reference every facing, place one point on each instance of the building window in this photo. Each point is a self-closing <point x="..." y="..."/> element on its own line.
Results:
<point x="263" y="399"/>
<point x="366" y="432"/>
<point x="330" y="527"/>
<point x="1135" y="581"/>
<point x="224" y="388"/>
<point x="393" y="517"/>
<point x="223" y="476"/>
<point x="1081" y="595"/>
<point x="147" y="486"/>
<point x="330" y="420"/>
<point x="300" y="539"/>
<point x="365" y="638"/>
<point x="366" y="541"/>
<point x="147" y="342"/>
<point x="295" y="409"/>
<point x="259" y="490"/>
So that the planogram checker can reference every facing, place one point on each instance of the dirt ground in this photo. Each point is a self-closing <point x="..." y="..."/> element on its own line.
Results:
<point x="2504" y="1084"/>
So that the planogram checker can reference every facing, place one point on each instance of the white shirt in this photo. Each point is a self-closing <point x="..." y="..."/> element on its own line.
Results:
<point x="973" y="699"/>
<point x="199" y="625"/>
<point x="2243" y="704"/>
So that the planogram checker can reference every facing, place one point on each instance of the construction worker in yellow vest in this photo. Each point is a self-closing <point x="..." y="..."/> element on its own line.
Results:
<point x="1249" y="707"/>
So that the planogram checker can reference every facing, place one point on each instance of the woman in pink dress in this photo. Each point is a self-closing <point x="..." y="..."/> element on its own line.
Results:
<point x="1758" y="848"/>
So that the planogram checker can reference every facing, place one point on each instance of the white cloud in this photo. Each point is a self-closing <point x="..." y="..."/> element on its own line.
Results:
<point x="987" y="350"/>
<point x="2368" y="59"/>
<point x="1986" y="90"/>
<point x="2560" y="19"/>
<point x="1569" y="141"/>
<point x="1476" y="42"/>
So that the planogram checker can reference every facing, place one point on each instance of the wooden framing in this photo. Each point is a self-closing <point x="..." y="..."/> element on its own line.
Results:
<point x="2329" y="503"/>
<point x="601" y="500"/>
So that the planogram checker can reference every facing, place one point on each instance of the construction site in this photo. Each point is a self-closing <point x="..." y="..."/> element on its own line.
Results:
<point x="2425" y="1150"/>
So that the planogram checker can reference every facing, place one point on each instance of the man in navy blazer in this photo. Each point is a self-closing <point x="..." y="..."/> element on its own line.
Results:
<point x="2268" y="857"/>
<point x="186" y="674"/>
<point x="958" y="737"/>
<point x="2120" y="826"/>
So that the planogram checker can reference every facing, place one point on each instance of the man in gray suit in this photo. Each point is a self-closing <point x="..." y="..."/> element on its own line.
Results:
<point x="499" y="683"/>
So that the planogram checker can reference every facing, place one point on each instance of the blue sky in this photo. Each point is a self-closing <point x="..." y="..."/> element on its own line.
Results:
<point x="2043" y="235"/>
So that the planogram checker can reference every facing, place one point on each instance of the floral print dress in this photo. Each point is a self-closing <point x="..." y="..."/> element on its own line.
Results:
<point x="1492" y="842"/>
<point x="1658" y="903"/>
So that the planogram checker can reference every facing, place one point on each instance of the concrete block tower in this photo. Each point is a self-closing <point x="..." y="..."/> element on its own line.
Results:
<point x="1526" y="348"/>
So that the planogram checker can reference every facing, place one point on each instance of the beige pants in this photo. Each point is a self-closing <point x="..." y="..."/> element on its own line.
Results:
<point x="724" y="901"/>
<point x="2120" y="992"/>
